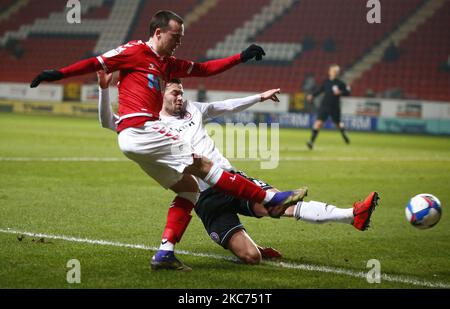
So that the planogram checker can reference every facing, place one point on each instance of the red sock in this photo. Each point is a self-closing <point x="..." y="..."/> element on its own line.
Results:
<point x="178" y="219"/>
<point x="238" y="186"/>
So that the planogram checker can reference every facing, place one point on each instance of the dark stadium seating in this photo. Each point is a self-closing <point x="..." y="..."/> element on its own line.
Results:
<point x="344" y="21"/>
<point x="212" y="28"/>
<point x="307" y="19"/>
<point x="46" y="52"/>
<point x="318" y="20"/>
<point x="417" y="71"/>
<point x="5" y="4"/>
<point x="98" y="13"/>
<point x="27" y="14"/>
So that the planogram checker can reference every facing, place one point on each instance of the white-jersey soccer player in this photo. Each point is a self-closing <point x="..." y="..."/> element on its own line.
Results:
<point x="187" y="119"/>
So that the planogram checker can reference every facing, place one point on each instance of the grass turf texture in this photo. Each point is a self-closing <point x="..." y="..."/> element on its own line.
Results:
<point x="116" y="201"/>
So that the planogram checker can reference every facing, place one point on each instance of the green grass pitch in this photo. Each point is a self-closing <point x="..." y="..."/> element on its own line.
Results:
<point x="115" y="201"/>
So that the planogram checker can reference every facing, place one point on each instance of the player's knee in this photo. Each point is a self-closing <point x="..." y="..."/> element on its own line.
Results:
<point x="252" y="257"/>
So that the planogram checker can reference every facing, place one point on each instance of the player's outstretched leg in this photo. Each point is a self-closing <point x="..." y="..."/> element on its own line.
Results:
<point x="319" y="212"/>
<point x="362" y="211"/>
<point x="238" y="186"/>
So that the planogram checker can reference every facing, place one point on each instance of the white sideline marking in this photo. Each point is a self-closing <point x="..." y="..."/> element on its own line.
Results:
<point x="306" y="267"/>
<point x="64" y="159"/>
<point x="353" y="159"/>
<point x="299" y="158"/>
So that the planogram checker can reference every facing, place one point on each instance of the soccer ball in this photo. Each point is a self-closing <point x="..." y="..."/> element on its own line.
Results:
<point x="423" y="211"/>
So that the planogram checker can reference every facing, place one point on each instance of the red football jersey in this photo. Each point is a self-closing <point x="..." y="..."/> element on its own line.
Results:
<point x="142" y="77"/>
<point x="143" y="74"/>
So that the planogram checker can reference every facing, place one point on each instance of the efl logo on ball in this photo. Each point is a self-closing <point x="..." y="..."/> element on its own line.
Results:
<point x="423" y="211"/>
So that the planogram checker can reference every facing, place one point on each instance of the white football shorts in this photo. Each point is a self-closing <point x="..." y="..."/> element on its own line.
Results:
<point x="160" y="152"/>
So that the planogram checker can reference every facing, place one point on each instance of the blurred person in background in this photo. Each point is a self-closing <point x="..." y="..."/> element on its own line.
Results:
<point x="333" y="88"/>
<point x="202" y="95"/>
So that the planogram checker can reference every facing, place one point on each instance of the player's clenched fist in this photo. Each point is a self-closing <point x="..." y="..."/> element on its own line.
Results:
<point x="46" y="75"/>
<point x="253" y="51"/>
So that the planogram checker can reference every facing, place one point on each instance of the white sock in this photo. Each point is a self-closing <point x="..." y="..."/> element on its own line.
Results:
<point x="190" y="196"/>
<point x="166" y="245"/>
<point x="268" y="197"/>
<point x="318" y="212"/>
<point x="214" y="175"/>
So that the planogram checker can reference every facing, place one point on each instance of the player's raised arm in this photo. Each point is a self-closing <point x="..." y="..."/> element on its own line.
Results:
<point x="89" y="65"/>
<point x="182" y="68"/>
<point x="105" y="114"/>
<point x="123" y="57"/>
<point x="215" y="109"/>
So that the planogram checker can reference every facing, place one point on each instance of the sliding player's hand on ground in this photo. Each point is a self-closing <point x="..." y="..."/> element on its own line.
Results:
<point x="104" y="79"/>
<point x="270" y="95"/>
<point x="46" y="75"/>
<point x="253" y="51"/>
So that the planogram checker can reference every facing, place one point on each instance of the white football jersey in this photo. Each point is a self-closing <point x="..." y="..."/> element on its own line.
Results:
<point x="190" y="126"/>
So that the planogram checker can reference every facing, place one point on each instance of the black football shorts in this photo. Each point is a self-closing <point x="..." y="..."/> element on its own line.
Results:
<point x="334" y="113"/>
<point x="219" y="212"/>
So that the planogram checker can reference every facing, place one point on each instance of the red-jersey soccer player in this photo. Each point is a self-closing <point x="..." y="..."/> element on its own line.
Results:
<point x="144" y="68"/>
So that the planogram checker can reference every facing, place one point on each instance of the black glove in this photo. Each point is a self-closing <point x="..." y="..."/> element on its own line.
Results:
<point x="253" y="51"/>
<point x="46" y="75"/>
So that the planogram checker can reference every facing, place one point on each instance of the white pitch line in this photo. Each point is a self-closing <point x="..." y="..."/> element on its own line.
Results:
<point x="305" y="267"/>
<point x="349" y="159"/>
<point x="282" y="158"/>
<point x="63" y="159"/>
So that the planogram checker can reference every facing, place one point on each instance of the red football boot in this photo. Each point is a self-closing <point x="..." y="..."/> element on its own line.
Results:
<point x="363" y="210"/>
